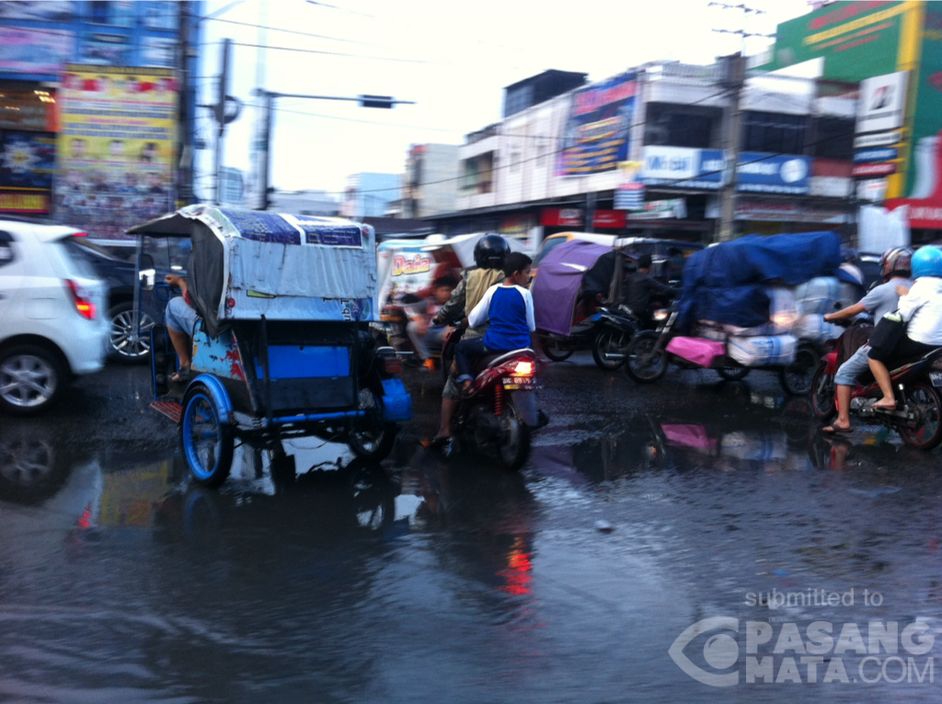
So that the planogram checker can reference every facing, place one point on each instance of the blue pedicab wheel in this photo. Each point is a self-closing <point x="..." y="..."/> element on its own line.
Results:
<point x="207" y="442"/>
<point x="372" y="438"/>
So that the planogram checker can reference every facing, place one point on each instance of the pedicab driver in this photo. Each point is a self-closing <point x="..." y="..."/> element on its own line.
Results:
<point x="180" y="318"/>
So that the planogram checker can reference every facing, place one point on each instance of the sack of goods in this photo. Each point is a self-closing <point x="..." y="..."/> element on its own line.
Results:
<point x="764" y="350"/>
<point x="823" y="294"/>
<point x="696" y="350"/>
<point x="783" y="315"/>
<point x="812" y="326"/>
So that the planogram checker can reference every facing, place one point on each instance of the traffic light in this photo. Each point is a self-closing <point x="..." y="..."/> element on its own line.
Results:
<point x="377" y="101"/>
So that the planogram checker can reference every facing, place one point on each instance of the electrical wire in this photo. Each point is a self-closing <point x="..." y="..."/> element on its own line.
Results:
<point x="290" y="31"/>
<point x="324" y="52"/>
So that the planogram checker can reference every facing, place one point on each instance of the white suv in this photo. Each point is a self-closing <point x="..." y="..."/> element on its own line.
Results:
<point x="52" y="315"/>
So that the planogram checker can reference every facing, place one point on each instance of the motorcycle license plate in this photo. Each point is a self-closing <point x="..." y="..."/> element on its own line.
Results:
<point x="519" y="383"/>
<point x="936" y="379"/>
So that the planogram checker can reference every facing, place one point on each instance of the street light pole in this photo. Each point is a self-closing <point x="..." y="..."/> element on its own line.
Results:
<point x="269" y="97"/>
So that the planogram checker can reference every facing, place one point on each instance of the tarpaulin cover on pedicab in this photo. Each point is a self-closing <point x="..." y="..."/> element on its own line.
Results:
<point x="247" y="264"/>
<point x="562" y="274"/>
<point x="726" y="282"/>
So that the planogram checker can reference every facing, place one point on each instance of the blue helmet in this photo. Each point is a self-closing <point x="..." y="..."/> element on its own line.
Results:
<point x="927" y="261"/>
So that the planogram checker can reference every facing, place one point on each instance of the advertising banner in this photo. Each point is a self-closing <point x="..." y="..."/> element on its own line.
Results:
<point x="45" y="10"/>
<point x="882" y="102"/>
<point x="758" y="172"/>
<point x="116" y="147"/>
<point x="597" y="132"/>
<point x="875" y="154"/>
<point x="27" y="161"/>
<point x="34" y="51"/>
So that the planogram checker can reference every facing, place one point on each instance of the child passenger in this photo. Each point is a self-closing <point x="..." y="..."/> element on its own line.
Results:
<point x="508" y="308"/>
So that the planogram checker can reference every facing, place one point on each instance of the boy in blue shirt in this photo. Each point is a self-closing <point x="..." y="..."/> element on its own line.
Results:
<point x="508" y="309"/>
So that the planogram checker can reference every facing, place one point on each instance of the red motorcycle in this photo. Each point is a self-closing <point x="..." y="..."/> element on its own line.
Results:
<point x="918" y="413"/>
<point x="501" y="408"/>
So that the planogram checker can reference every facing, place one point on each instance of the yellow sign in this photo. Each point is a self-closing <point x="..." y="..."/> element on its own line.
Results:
<point x="116" y="147"/>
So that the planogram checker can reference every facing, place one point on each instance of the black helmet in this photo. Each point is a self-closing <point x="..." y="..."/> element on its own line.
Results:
<point x="896" y="261"/>
<point x="489" y="252"/>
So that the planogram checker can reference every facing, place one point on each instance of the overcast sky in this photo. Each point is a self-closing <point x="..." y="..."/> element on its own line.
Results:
<point x="453" y="59"/>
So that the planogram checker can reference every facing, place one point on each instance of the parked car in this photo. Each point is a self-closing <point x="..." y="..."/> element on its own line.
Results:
<point x="127" y="342"/>
<point x="52" y="325"/>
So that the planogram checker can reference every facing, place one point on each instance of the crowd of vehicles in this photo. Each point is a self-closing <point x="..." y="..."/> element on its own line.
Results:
<point x="280" y="353"/>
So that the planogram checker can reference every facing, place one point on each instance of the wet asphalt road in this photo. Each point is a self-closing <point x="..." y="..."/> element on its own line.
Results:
<point x="641" y="512"/>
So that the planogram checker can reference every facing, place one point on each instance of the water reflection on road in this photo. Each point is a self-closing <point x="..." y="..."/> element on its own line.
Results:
<point x="313" y="577"/>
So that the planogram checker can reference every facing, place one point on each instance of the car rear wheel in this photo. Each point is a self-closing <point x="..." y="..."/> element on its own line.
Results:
<point x="129" y="342"/>
<point x="31" y="379"/>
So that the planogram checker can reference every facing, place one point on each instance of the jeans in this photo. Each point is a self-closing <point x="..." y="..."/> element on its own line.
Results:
<point x="180" y="317"/>
<point x="465" y="355"/>
<point x="858" y="363"/>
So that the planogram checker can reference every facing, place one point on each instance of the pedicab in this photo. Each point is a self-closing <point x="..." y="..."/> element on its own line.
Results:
<point x="574" y="308"/>
<point x="281" y="346"/>
<point x="738" y="312"/>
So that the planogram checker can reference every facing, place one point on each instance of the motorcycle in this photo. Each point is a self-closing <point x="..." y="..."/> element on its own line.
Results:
<point x="918" y="413"/>
<point x="606" y="332"/>
<point x="650" y="351"/>
<point x="500" y="409"/>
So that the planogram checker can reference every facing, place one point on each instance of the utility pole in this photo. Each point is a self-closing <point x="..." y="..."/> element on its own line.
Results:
<point x="184" y="156"/>
<point x="220" y="113"/>
<point x="732" y="132"/>
<point x="733" y="80"/>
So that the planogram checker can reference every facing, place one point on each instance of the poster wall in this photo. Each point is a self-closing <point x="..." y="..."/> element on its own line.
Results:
<point x="116" y="144"/>
<point x="597" y="130"/>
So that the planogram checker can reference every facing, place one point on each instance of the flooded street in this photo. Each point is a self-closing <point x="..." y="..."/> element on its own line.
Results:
<point x="641" y="512"/>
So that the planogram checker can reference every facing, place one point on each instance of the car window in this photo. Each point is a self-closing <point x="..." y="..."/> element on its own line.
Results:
<point x="6" y="248"/>
<point x="76" y="262"/>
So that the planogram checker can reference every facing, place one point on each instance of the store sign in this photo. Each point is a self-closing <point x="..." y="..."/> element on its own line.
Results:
<point x="882" y="101"/>
<point x="873" y="154"/>
<point x="759" y="172"/>
<point x="35" y="51"/>
<point x="27" y="162"/>
<point x="561" y="217"/>
<point x="872" y="170"/>
<point x="629" y="196"/>
<point x="879" y="139"/>
<point x="679" y="167"/>
<point x="609" y="219"/>
<point x="872" y="190"/>
<point x="669" y="208"/>
<point x="830" y="178"/>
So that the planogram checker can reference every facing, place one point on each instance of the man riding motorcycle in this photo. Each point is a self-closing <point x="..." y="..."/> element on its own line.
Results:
<point x="895" y="271"/>
<point x="489" y="253"/>
<point x="643" y="289"/>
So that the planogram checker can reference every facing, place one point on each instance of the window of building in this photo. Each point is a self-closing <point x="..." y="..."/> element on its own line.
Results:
<point x="671" y="124"/>
<point x="833" y="138"/>
<point x="777" y="133"/>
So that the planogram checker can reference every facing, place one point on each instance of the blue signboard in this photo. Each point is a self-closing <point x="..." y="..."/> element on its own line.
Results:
<point x="875" y="154"/>
<point x="598" y="128"/>
<point x="680" y="167"/>
<point x="262" y="226"/>
<point x="759" y="172"/>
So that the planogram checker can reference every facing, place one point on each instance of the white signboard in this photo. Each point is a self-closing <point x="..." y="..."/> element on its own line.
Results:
<point x="670" y="163"/>
<point x="882" y="101"/>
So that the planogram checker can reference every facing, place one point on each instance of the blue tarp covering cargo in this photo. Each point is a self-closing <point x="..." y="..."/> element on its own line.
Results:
<point x="725" y="283"/>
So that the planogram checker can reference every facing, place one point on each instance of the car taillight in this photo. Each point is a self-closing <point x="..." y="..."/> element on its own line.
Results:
<point x="523" y="369"/>
<point x="83" y="304"/>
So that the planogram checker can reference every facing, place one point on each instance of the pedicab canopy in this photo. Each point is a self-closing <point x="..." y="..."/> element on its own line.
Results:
<point x="570" y="268"/>
<point x="247" y="264"/>
<point x="726" y="282"/>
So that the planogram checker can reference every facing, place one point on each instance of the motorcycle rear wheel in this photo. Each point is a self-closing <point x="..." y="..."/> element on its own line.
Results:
<point x="927" y="432"/>
<point x="733" y="373"/>
<point x="513" y="446"/>
<point x="644" y="362"/>
<point x="552" y="348"/>
<point x="610" y="342"/>
<point x="796" y="378"/>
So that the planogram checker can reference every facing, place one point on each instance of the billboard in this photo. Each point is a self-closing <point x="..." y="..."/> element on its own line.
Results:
<point x="597" y="131"/>
<point x="116" y="147"/>
<point x="681" y="167"/>
<point x="759" y="172"/>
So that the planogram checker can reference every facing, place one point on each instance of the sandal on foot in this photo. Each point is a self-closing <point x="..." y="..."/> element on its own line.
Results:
<point x="834" y="429"/>
<point x="180" y="376"/>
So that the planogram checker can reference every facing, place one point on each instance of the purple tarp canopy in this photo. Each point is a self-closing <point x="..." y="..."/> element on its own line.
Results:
<point x="558" y="280"/>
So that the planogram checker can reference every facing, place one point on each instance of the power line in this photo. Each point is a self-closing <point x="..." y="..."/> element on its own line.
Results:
<point x="324" y="52"/>
<point x="291" y="31"/>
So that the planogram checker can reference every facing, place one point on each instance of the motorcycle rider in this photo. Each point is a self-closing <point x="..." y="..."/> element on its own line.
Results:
<point x="921" y="309"/>
<point x="895" y="270"/>
<point x="508" y="309"/>
<point x="642" y="288"/>
<point x="489" y="253"/>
